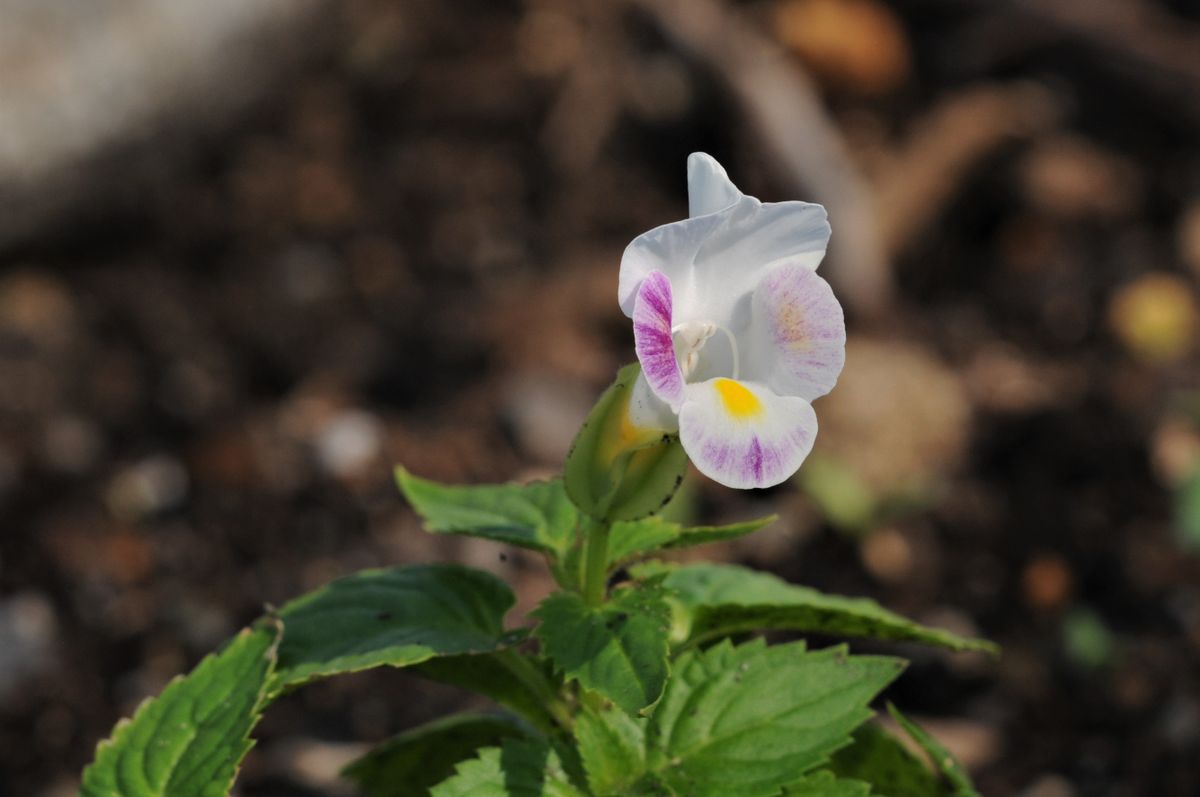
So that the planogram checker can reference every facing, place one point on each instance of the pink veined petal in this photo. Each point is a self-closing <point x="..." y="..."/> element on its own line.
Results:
<point x="799" y="333"/>
<point x="743" y="435"/>
<point x="652" y="340"/>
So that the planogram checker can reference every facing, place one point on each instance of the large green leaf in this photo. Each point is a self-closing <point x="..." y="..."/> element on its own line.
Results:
<point x="746" y="721"/>
<point x="521" y="768"/>
<point x="826" y="784"/>
<point x="618" y="649"/>
<point x="613" y="748"/>
<point x="616" y="471"/>
<point x="719" y="600"/>
<point x="631" y="538"/>
<point x="396" y="617"/>
<point x="410" y="764"/>
<point x="950" y="767"/>
<point x="189" y="741"/>
<point x="537" y="515"/>
<point x="879" y="759"/>
<point x="489" y="675"/>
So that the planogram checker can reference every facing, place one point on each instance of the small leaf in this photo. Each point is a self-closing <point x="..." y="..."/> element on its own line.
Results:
<point x="726" y="599"/>
<point x="839" y="493"/>
<point x="1087" y="640"/>
<point x="632" y="538"/>
<point x="521" y="768"/>
<point x="189" y="741"/>
<point x="613" y="748"/>
<point x="618" y="649"/>
<point x="616" y="471"/>
<point x="538" y="515"/>
<point x="396" y="617"/>
<point x="1187" y="512"/>
<point x="746" y="721"/>
<point x="409" y="764"/>
<point x="950" y="767"/>
<point x="879" y="759"/>
<point x="826" y="784"/>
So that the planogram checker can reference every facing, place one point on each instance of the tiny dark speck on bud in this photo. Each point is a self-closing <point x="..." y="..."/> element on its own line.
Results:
<point x="503" y="556"/>
<point x="383" y="616"/>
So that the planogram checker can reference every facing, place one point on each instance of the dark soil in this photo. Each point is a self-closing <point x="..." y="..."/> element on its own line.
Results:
<point x="402" y="253"/>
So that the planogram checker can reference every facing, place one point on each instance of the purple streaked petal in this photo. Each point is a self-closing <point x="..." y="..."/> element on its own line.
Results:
<point x="743" y="445"/>
<point x="799" y="333"/>
<point x="652" y="340"/>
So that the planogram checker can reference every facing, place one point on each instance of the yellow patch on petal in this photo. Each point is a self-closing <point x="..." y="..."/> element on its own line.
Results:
<point x="738" y="400"/>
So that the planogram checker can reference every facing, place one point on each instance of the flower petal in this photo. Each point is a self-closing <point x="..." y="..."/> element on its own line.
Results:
<point x="670" y="248"/>
<point x="709" y="187"/>
<point x="648" y="411"/>
<point x="743" y="435"/>
<point x="798" y="333"/>
<point x="715" y="261"/>
<point x="652" y="339"/>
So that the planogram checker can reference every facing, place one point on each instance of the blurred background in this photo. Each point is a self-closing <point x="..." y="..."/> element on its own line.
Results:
<point x="253" y="254"/>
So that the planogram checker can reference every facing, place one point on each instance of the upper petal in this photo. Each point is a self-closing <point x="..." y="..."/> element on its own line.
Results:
<point x="798" y="333"/>
<point x="743" y="435"/>
<point x="653" y="341"/>
<point x="715" y="261"/>
<point x="671" y="249"/>
<point x="709" y="187"/>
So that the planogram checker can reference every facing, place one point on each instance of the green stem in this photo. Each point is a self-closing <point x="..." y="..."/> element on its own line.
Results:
<point x="533" y="680"/>
<point x="595" y="574"/>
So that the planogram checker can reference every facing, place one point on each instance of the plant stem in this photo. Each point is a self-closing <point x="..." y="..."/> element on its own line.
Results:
<point x="535" y="681"/>
<point x="595" y="574"/>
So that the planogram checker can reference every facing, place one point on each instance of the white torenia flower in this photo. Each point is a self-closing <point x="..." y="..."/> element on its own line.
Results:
<point x="735" y="332"/>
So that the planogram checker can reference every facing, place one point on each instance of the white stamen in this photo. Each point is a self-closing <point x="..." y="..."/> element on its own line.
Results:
<point x="690" y="337"/>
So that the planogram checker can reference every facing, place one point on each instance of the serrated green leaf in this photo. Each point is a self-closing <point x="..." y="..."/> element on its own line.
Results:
<point x="521" y="768"/>
<point x="879" y="759"/>
<point x="618" y="649"/>
<point x="189" y="741"/>
<point x="486" y="674"/>
<point x="538" y="515"/>
<point x="410" y="764"/>
<point x="631" y="538"/>
<point x="950" y="767"/>
<point x="826" y="784"/>
<point x="613" y="748"/>
<point x="719" y="600"/>
<point x="395" y="617"/>
<point x="746" y="721"/>
<point x="616" y="471"/>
